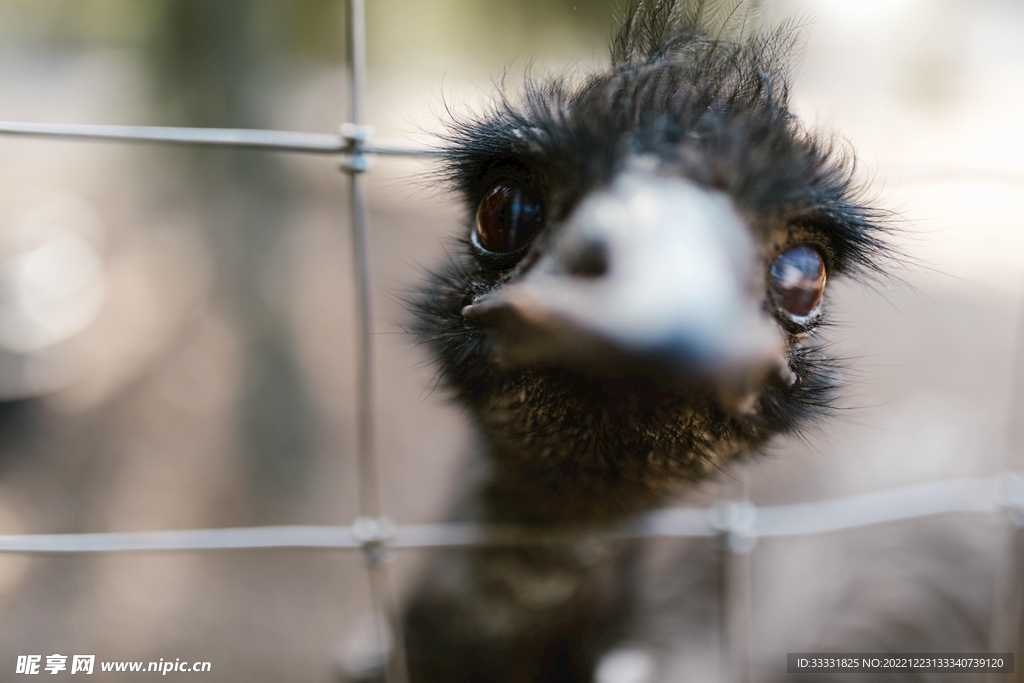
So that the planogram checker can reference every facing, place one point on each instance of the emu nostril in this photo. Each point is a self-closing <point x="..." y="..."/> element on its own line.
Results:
<point x="590" y="259"/>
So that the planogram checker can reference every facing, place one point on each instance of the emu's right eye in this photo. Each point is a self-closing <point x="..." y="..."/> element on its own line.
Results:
<point x="798" y="280"/>
<point x="508" y="217"/>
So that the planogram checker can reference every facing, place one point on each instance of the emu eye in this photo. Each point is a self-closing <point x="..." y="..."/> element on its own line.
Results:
<point x="508" y="217"/>
<point x="798" y="280"/>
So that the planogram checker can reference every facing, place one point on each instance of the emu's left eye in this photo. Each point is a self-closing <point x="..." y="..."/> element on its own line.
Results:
<point x="798" y="280"/>
<point x="508" y="217"/>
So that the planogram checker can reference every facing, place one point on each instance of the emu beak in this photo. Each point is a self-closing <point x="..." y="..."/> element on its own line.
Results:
<point x="651" y="275"/>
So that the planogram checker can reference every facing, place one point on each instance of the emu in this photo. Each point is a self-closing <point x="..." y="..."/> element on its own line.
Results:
<point x="634" y="305"/>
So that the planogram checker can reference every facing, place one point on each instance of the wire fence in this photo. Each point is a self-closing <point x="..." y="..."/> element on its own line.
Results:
<point x="737" y="524"/>
<point x="738" y="519"/>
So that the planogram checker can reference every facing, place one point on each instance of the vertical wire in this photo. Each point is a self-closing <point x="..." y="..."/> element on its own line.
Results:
<point x="744" y="597"/>
<point x="386" y="613"/>
<point x="724" y="640"/>
<point x="369" y="486"/>
<point x="1006" y="618"/>
<point x="369" y="493"/>
<point x="735" y="606"/>
<point x="735" y="589"/>
<point x="1006" y="624"/>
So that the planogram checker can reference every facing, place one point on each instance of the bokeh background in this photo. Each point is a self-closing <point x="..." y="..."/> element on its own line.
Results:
<point x="176" y="344"/>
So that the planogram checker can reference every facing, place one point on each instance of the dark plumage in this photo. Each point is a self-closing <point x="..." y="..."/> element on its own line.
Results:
<point x="699" y="107"/>
<point x="591" y="407"/>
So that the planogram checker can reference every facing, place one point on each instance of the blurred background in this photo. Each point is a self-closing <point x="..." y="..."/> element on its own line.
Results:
<point x="176" y="343"/>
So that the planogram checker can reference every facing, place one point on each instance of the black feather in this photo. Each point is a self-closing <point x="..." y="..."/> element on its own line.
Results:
<point x="698" y="89"/>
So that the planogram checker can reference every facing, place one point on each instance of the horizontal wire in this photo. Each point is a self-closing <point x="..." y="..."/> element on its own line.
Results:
<point x="245" y="138"/>
<point x="972" y="495"/>
<point x="327" y="143"/>
<point x="240" y="538"/>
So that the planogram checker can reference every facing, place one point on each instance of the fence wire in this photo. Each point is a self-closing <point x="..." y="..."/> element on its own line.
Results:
<point x="1004" y="494"/>
<point x="737" y="523"/>
<point x="345" y="142"/>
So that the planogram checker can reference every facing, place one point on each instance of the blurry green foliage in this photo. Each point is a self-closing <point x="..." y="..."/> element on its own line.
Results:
<point x="77" y="23"/>
<point x="401" y="32"/>
<point x="405" y="31"/>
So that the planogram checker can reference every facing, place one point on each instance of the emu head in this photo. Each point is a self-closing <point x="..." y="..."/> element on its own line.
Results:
<point x="643" y="268"/>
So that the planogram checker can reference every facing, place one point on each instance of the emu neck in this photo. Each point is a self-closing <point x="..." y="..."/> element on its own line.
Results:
<point x="522" y="489"/>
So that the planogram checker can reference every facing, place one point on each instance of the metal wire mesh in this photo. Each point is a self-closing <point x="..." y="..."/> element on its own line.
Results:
<point x="736" y="523"/>
<point x="740" y="519"/>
